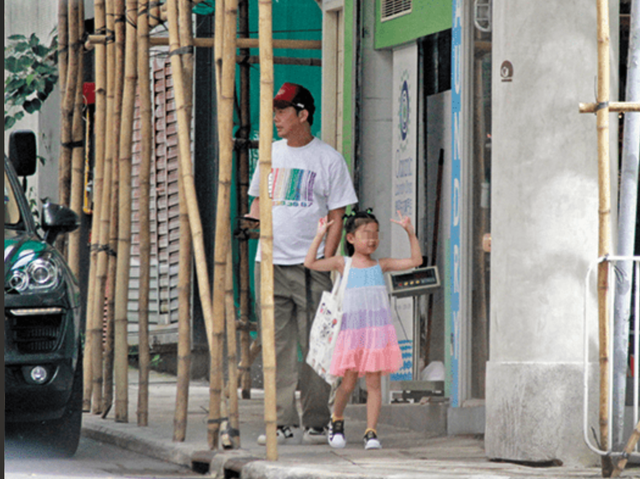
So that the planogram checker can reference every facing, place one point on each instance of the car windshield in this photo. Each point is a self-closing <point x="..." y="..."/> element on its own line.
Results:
<point x="11" y="208"/>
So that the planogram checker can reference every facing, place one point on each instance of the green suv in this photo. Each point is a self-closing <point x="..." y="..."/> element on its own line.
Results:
<point x="42" y="312"/>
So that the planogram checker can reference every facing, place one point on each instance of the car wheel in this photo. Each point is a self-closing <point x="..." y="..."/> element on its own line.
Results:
<point x="64" y="433"/>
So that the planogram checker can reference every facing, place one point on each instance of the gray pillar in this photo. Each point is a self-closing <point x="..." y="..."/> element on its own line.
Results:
<point x="544" y="227"/>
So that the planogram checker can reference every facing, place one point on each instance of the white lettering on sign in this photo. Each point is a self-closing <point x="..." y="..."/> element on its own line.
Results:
<point x="457" y="137"/>
<point x="456" y="269"/>
<point x="456" y="202"/>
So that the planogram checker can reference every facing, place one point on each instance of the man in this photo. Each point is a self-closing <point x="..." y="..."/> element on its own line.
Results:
<point x="308" y="180"/>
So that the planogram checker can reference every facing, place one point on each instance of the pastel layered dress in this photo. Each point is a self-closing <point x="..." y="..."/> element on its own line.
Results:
<point x="367" y="340"/>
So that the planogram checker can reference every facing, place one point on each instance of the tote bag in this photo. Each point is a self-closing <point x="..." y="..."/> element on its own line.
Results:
<point x="326" y="326"/>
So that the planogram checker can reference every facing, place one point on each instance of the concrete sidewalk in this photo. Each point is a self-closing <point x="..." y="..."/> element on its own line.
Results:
<point x="405" y="454"/>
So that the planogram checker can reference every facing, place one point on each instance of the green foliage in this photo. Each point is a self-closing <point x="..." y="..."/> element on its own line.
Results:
<point x="31" y="73"/>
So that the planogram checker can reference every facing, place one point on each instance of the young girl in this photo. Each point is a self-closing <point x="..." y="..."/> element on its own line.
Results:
<point x="367" y="344"/>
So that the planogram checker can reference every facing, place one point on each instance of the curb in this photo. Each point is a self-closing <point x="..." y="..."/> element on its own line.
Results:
<point x="176" y="453"/>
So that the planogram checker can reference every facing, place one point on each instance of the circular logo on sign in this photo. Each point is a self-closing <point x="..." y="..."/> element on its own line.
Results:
<point x="506" y="70"/>
<point x="404" y="109"/>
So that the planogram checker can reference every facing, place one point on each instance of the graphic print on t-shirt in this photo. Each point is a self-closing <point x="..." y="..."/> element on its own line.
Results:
<point x="291" y="187"/>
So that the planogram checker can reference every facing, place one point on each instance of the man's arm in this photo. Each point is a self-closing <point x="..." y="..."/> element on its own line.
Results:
<point x="334" y="233"/>
<point x="254" y="211"/>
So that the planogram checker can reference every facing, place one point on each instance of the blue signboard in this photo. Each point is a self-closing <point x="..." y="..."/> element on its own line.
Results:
<point x="453" y="346"/>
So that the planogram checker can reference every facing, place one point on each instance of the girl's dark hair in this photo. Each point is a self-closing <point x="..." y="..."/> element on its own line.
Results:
<point x="353" y="221"/>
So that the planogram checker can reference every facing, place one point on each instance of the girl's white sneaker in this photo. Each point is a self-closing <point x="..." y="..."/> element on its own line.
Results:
<point x="371" y="441"/>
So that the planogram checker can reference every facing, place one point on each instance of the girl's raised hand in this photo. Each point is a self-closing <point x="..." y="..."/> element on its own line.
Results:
<point x="323" y="226"/>
<point x="405" y="222"/>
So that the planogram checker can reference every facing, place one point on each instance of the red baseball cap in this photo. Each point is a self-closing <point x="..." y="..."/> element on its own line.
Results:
<point x="297" y="96"/>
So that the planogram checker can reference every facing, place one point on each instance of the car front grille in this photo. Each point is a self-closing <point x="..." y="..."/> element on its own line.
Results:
<point x="35" y="333"/>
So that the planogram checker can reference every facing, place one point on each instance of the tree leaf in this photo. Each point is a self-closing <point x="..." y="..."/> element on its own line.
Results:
<point x="31" y="106"/>
<point x="11" y="64"/>
<point x="17" y="37"/>
<point x="9" y="121"/>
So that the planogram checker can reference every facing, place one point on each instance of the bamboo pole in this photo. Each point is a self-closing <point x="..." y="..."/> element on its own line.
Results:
<point x="64" y="165"/>
<point x="64" y="162"/>
<point x="186" y="172"/>
<point x="146" y="138"/>
<point x="216" y="43"/>
<point x="185" y="257"/>
<point x="63" y="45"/>
<point x="112" y="267"/>
<point x="77" y="150"/>
<point x="108" y="209"/>
<point x="633" y="440"/>
<point x="243" y="201"/>
<point x="154" y="14"/>
<point x="614" y="107"/>
<point x="266" y="227"/>
<point x="222" y="241"/>
<point x="241" y="43"/>
<point x="232" y="355"/>
<point x="124" y="217"/>
<point x="254" y="60"/>
<point x="94" y="324"/>
<point x="604" y="219"/>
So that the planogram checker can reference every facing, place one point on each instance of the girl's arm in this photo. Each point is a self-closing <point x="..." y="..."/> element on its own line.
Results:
<point x="393" y="264"/>
<point x="333" y="263"/>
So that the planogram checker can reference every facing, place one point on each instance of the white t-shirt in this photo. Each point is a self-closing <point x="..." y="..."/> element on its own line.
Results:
<point x="305" y="184"/>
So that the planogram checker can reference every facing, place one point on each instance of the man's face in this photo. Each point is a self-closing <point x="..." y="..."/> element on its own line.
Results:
<point x="286" y="121"/>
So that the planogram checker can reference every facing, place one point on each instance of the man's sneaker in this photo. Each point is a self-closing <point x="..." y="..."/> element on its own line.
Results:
<point x="371" y="440"/>
<point x="284" y="435"/>
<point x="314" y="435"/>
<point x="336" y="434"/>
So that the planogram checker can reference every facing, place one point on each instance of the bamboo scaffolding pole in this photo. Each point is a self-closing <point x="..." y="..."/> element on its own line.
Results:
<point x="65" y="156"/>
<point x="241" y="43"/>
<point x="63" y="45"/>
<point x="66" y="139"/>
<point x="185" y="256"/>
<point x="186" y="172"/>
<point x="223" y="227"/>
<point x="124" y="217"/>
<point x="604" y="219"/>
<point x="266" y="227"/>
<point x="105" y="275"/>
<point x="146" y="139"/>
<point x="94" y="324"/>
<point x="77" y="150"/>
<point x="614" y="107"/>
<point x="109" y="347"/>
<point x="254" y="60"/>
<point x="233" y="430"/>
<point x="622" y="463"/>
<point x="243" y="203"/>
<point x="154" y="14"/>
<point x="216" y="43"/>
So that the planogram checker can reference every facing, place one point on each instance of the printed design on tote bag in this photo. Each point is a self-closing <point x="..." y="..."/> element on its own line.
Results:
<point x="291" y="187"/>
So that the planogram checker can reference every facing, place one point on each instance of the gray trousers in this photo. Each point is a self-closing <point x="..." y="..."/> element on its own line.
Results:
<point x="292" y="329"/>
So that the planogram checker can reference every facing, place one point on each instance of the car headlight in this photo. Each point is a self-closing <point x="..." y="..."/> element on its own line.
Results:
<point x="34" y="273"/>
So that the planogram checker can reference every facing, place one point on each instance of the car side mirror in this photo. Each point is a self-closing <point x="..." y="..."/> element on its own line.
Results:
<point x="22" y="152"/>
<point x="57" y="219"/>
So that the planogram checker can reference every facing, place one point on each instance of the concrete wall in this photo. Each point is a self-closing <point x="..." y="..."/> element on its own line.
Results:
<point x="376" y="131"/>
<point x="25" y="17"/>
<point x="544" y="227"/>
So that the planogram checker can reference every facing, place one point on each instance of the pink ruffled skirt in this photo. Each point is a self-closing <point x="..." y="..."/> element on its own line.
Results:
<point x="367" y="340"/>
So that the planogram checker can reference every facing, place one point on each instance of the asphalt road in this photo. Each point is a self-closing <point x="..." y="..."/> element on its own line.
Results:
<point x="26" y="457"/>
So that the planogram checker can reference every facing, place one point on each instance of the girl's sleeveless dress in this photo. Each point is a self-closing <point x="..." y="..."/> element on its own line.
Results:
<point x="367" y="340"/>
